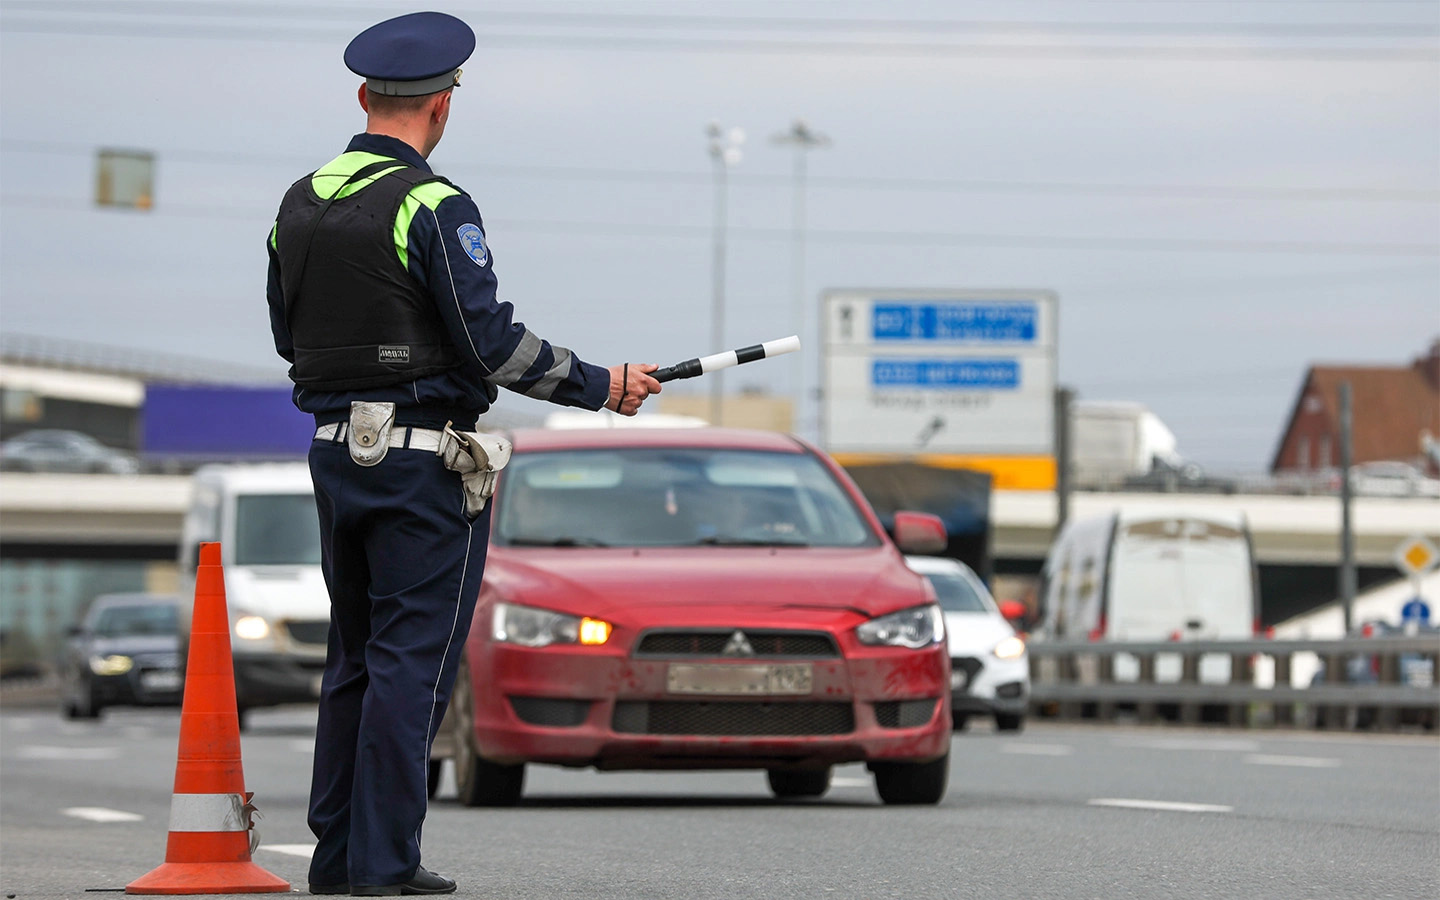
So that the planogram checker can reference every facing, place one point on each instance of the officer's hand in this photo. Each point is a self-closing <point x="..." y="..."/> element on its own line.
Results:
<point x="626" y="396"/>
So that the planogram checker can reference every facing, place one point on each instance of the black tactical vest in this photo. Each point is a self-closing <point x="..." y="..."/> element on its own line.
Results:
<point x="357" y="318"/>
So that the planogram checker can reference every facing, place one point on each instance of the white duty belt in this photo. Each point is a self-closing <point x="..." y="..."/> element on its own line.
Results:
<point x="427" y="439"/>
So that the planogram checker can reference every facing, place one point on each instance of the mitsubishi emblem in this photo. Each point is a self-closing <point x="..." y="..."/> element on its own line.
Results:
<point x="738" y="645"/>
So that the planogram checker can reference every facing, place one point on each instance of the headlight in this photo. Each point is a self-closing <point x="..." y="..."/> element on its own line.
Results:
<point x="531" y="627"/>
<point x="111" y="665"/>
<point x="1010" y="648"/>
<point x="913" y="628"/>
<point x="252" y="628"/>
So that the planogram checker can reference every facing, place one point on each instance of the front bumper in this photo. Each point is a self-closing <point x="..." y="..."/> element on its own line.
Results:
<point x="138" y="687"/>
<point x="583" y="706"/>
<point x="989" y="685"/>
<point x="264" y="679"/>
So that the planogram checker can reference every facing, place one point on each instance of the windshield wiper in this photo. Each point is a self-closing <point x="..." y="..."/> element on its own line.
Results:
<point x="721" y="540"/>
<point x="556" y="542"/>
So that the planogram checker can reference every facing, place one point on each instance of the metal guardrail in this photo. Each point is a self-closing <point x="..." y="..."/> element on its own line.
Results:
<point x="1397" y="683"/>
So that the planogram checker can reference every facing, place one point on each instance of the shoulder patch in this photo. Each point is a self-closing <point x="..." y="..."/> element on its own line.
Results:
<point x="472" y="240"/>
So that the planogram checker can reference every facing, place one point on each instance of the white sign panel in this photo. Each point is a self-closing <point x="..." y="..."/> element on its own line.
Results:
<point x="963" y="372"/>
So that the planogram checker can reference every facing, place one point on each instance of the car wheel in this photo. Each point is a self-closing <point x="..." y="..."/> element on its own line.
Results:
<point x="82" y="704"/>
<point x="478" y="781"/>
<point x="911" y="784"/>
<point x="432" y="779"/>
<point x="788" y="783"/>
<point x="958" y="720"/>
<point x="1009" y="721"/>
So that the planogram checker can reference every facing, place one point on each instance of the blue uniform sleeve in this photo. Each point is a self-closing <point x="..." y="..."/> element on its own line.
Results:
<point x="449" y="257"/>
<point x="276" y="297"/>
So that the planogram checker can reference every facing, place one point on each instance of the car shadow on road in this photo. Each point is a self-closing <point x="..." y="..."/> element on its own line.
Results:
<point x="649" y="801"/>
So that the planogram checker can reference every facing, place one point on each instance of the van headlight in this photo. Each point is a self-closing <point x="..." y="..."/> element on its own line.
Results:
<point x="913" y="628"/>
<point x="530" y="627"/>
<point x="1010" y="648"/>
<point x="252" y="628"/>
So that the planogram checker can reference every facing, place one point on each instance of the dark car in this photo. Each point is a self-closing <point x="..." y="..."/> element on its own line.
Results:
<point x="55" y="450"/>
<point x="125" y="653"/>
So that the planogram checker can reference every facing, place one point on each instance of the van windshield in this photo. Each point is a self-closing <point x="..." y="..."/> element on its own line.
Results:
<point x="675" y="497"/>
<point x="276" y="530"/>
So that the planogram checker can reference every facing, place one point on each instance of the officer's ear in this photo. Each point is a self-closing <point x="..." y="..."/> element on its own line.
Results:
<point x="364" y="98"/>
<point x="441" y="110"/>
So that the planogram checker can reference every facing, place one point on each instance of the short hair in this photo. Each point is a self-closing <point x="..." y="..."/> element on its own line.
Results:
<point x="386" y="106"/>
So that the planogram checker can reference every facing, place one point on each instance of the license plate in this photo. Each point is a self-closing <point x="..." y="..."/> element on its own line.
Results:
<point x="791" y="679"/>
<point x="160" y="680"/>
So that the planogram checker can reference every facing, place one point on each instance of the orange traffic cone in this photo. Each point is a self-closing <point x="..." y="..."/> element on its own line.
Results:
<point x="208" y="851"/>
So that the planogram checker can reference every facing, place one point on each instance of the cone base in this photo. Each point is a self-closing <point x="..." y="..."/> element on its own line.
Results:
<point x="208" y="878"/>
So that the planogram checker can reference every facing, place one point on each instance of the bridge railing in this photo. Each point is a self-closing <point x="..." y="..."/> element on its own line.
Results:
<point x="1381" y="682"/>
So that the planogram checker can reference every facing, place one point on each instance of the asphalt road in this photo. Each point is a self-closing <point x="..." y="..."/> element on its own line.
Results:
<point x="1060" y="811"/>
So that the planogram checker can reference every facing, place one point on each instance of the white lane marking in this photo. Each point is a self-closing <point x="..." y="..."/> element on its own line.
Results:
<point x="1305" y="762"/>
<point x="101" y="814"/>
<point x="1221" y="745"/>
<point x="21" y="724"/>
<point x="303" y="746"/>
<point x="76" y="754"/>
<point x="1164" y="805"/>
<point x="305" y="850"/>
<point x="1039" y="749"/>
<point x="850" y="782"/>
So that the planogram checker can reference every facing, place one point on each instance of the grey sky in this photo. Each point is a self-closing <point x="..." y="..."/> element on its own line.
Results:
<point x="1320" y="238"/>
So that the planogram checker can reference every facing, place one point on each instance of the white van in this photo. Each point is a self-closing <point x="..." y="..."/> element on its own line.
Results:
<point x="265" y="520"/>
<point x="1152" y="576"/>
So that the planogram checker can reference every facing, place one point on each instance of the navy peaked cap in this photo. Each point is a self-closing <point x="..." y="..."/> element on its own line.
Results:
<point x="411" y="55"/>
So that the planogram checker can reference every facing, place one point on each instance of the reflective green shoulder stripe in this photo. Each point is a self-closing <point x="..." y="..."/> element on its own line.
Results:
<point x="333" y="174"/>
<point x="274" y="229"/>
<point x="426" y="195"/>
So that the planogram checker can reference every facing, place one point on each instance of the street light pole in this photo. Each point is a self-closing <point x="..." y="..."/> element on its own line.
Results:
<point x="803" y="139"/>
<point x="724" y="153"/>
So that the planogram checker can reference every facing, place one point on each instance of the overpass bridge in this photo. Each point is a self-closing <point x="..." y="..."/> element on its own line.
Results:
<point x="84" y="515"/>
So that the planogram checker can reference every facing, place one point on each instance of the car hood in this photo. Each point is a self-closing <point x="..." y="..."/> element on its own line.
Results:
<point x="605" y="582"/>
<point x="975" y="634"/>
<point x="277" y="592"/>
<point x="134" y="644"/>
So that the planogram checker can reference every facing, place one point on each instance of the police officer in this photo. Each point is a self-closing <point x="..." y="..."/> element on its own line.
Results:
<point x="382" y="296"/>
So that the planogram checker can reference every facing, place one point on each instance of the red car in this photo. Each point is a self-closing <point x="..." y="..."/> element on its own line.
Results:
<point x="698" y="599"/>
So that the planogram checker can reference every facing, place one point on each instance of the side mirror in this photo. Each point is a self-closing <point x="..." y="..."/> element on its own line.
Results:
<point x="920" y="533"/>
<point x="1013" y="610"/>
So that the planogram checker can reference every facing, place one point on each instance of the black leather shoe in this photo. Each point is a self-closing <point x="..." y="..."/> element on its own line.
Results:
<point x="422" y="882"/>
<point x="329" y="888"/>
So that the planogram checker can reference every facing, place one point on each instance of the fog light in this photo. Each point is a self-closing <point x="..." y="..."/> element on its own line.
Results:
<point x="594" y="631"/>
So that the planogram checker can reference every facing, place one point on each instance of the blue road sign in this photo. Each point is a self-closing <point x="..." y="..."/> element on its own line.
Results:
<point x="997" y="321"/>
<point x="974" y="374"/>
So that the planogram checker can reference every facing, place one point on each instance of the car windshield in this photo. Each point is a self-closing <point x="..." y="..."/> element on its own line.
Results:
<point x="956" y="593"/>
<point x="276" y="530"/>
<point x="675" y="497"/>
<point x="121" y="621"/>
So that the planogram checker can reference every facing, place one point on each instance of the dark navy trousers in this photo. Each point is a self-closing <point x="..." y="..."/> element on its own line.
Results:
<point x="403" y="564"/>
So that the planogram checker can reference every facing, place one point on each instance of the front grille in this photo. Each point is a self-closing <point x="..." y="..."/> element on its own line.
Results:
<point x="553" y="712"/>
<point x="313" y="631"/>
<point x="904" y="713"/>
<point x="969" y="665"/>
<point x="749" y="719"/>
<point x="157" y="660"/>
<point x="767" y="643"/>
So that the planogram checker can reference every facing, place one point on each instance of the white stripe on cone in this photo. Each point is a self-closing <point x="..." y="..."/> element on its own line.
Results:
<point x="208" y="812"/>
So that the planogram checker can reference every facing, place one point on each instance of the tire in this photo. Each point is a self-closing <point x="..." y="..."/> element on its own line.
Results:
<point x="432" y="778"/>
<point x="1009" y="721"/>
<point x="82" y="704"/>
<point x="788" y="784"/>
<point x="958" y="720"/>
<point x="912" y="784"/>
<point x="478" y="781"/>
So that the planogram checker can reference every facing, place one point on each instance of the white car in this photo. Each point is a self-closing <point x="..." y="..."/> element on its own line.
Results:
<point x="1392" y="479"/>
<point x="989" y="669"/>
